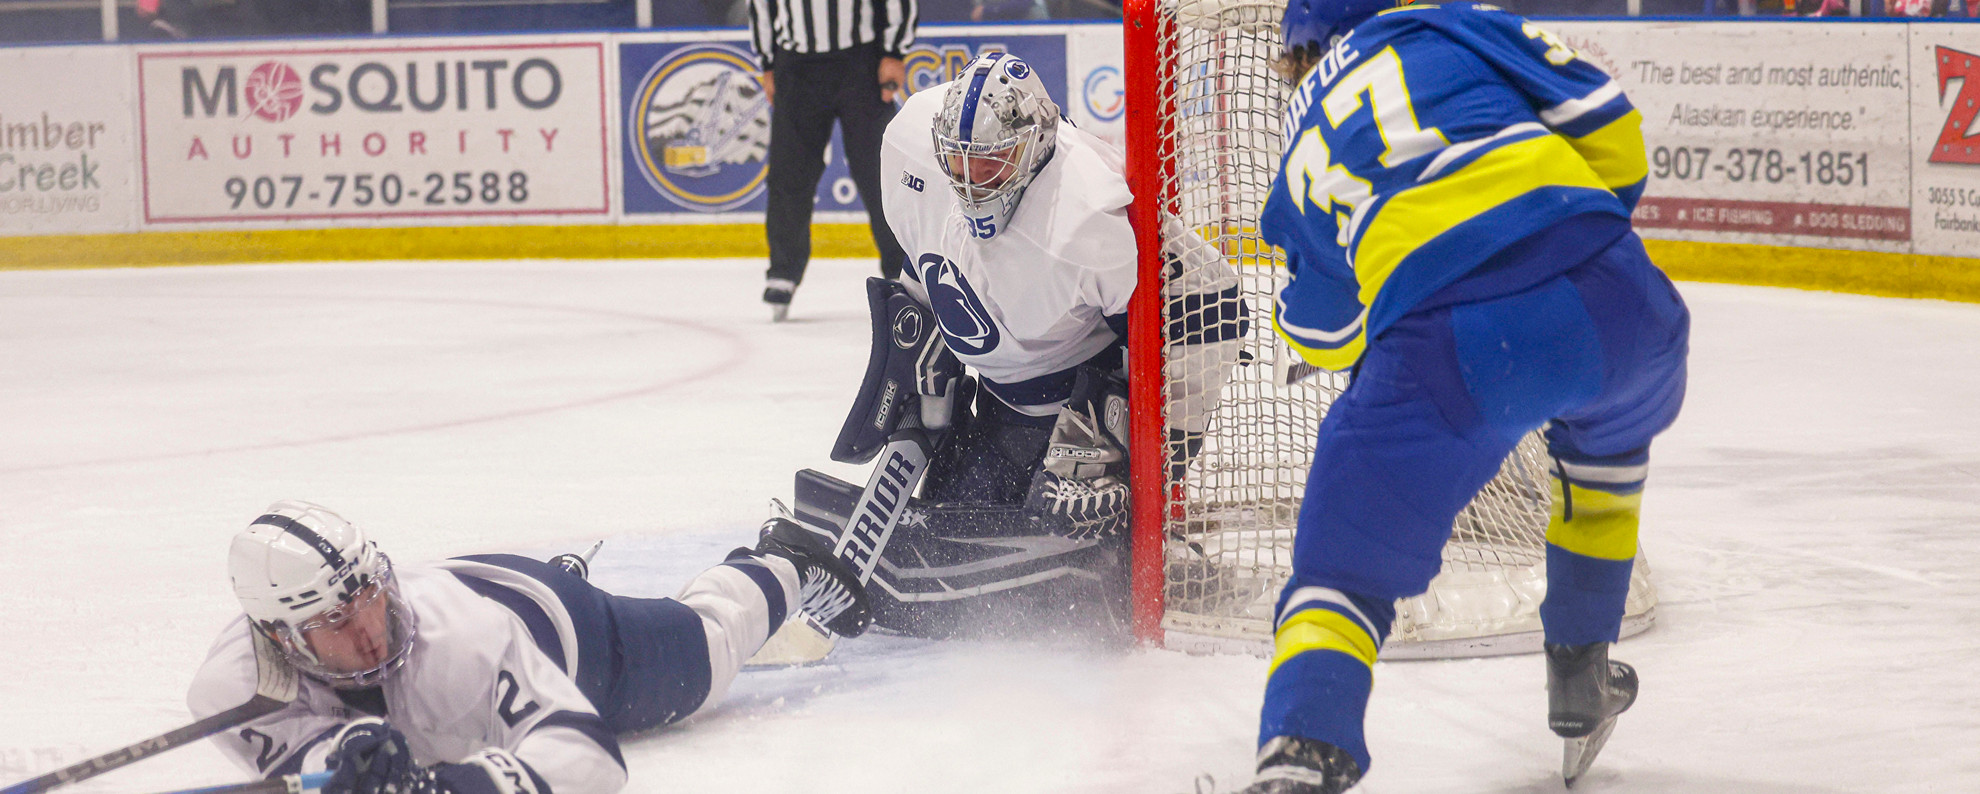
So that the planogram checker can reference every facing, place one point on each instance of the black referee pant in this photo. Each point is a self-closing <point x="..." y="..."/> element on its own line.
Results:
<point x="812" y="91"/>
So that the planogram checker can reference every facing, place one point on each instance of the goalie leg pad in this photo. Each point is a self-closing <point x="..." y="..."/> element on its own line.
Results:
<point x="979" y="569"/>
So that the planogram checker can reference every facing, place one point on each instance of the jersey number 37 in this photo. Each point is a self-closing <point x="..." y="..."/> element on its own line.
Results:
<point x="1312" y="173"/>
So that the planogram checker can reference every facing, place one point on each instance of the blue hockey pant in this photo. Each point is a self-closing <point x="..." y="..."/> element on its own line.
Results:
<point x="1596" y="355"/>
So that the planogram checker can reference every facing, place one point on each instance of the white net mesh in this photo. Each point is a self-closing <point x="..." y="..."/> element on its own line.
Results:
<point x="1230" y="518"/>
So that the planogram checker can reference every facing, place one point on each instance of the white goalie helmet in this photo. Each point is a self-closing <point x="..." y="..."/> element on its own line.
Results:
<point x="325" y="595"/>
<point x="996" y="131"/>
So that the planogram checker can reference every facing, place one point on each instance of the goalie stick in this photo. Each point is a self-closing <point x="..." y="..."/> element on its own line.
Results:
<point x="802" y="640"/>
<point x="903" y="462"/>
<point x="275" y="687"/>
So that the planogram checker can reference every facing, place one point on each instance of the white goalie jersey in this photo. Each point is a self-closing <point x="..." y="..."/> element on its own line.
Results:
<point x="1026" y="301"/>
<point x="1023" y="305"/>
<point x="475" y="680"/>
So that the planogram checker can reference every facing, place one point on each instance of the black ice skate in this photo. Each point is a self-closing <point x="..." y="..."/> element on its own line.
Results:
<point x="1585" y="692"/>
<point x="828" y="588"/>
<point x="1296" y="765"/>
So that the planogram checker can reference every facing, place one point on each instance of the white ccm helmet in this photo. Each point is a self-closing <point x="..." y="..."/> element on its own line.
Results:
<point x="996" y="110"/>
<point x="300" y="566"/>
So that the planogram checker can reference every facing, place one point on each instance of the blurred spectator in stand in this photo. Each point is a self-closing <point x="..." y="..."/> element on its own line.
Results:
<point x="1007" y="10"/>
<point x="183" y="19"/>
<point x="1928" y="8"/>
<point x="164" y="19"/>
<point x="1085" y="9"/>
<point x="727" y="13"/>
<point x="824" y="60"/>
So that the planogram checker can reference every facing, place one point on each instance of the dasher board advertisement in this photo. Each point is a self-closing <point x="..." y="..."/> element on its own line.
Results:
<point x="1945" y="168"/>
<point x="66" y="154"/>
<point x="1777" y="134"/>
<point x="409" y="130"/>
<point x="697" y="121"/>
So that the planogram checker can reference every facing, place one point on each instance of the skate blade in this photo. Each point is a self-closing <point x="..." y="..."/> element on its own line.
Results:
<point x="1578" y="754"/>
<point x="800" y="642"/>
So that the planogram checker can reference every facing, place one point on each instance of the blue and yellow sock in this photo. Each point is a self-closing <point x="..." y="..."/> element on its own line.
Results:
<point x="1323" y="667"/>
<point x="1591" y="546"/>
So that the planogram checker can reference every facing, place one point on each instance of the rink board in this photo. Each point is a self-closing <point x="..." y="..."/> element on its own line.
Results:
<point x="1840" y="136"/>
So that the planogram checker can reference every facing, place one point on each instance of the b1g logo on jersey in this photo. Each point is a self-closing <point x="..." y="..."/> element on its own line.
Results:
<point x="1955" y="144"/>
<point x="913" y="182"/>
<point x="966" y="324"/>
<point x="699" y="126"/>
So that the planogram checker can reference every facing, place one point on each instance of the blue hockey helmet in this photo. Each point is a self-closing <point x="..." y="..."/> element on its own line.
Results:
<point x="1314" y="23"/>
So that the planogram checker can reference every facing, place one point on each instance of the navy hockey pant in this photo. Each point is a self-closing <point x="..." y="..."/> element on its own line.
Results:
<point x="643" y="662"/>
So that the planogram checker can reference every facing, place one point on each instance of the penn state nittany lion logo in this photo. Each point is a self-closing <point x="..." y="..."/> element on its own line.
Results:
<point x="965" y="322"/>
<point x="700" y="128"/>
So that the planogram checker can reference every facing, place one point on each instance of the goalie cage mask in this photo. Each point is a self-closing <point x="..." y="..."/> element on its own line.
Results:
<point x="301" y="571"/>
<point x="998" y="116"/>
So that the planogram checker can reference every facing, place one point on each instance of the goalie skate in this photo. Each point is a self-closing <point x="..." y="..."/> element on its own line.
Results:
<point x="801" y="641"/>
<point x="1585" y="693"/>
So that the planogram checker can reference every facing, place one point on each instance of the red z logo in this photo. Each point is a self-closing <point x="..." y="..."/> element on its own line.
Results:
<point x="1955" y="144"/>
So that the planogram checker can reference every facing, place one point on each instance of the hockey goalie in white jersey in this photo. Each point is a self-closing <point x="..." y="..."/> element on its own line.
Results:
<point x="1020" y="252"/>
<point x="490" y="674"/>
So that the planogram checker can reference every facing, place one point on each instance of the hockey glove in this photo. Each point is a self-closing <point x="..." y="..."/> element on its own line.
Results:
<point x="372" y="757"/>
<point x="1079" y="490"/>
<point x="369" y="757"/>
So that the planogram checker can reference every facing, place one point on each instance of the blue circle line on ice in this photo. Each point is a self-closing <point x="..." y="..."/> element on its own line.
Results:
<point x="737" y="349"/>
<point x="700" y="128"/>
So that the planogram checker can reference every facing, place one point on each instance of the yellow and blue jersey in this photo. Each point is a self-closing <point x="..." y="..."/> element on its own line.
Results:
<point x="1427" y="141"/>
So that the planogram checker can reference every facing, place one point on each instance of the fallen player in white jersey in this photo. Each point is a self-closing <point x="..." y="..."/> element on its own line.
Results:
<point x="491" y="674"/>
<point x="1019" y="250"/>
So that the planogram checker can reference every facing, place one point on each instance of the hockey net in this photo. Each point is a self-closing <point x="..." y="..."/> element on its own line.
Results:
<point x="1213" y="548"/>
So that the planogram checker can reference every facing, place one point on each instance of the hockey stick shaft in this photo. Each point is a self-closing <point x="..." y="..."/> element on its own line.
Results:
<point x="275" y="686"/>
<point x="259" y="706"/>
<point x="286" y="784"/>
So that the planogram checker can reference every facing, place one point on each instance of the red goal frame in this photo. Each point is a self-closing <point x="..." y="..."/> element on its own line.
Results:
<point x="1150" y="166"/>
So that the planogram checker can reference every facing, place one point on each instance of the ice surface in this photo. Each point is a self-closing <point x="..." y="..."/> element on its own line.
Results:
<point x="1813" y="522"/>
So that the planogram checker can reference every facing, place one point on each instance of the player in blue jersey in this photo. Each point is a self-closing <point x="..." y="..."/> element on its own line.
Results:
<point x="1454" y="206"/>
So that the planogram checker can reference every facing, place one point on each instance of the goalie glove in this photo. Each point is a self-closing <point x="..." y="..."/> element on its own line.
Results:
<point x="1079" y="489"/>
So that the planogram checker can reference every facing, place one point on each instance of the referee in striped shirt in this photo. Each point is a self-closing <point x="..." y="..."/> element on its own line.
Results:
<point x="825" y="60"/>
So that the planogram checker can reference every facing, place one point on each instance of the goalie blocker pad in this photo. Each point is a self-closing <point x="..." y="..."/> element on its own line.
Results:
<point x="910" y="375"/>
